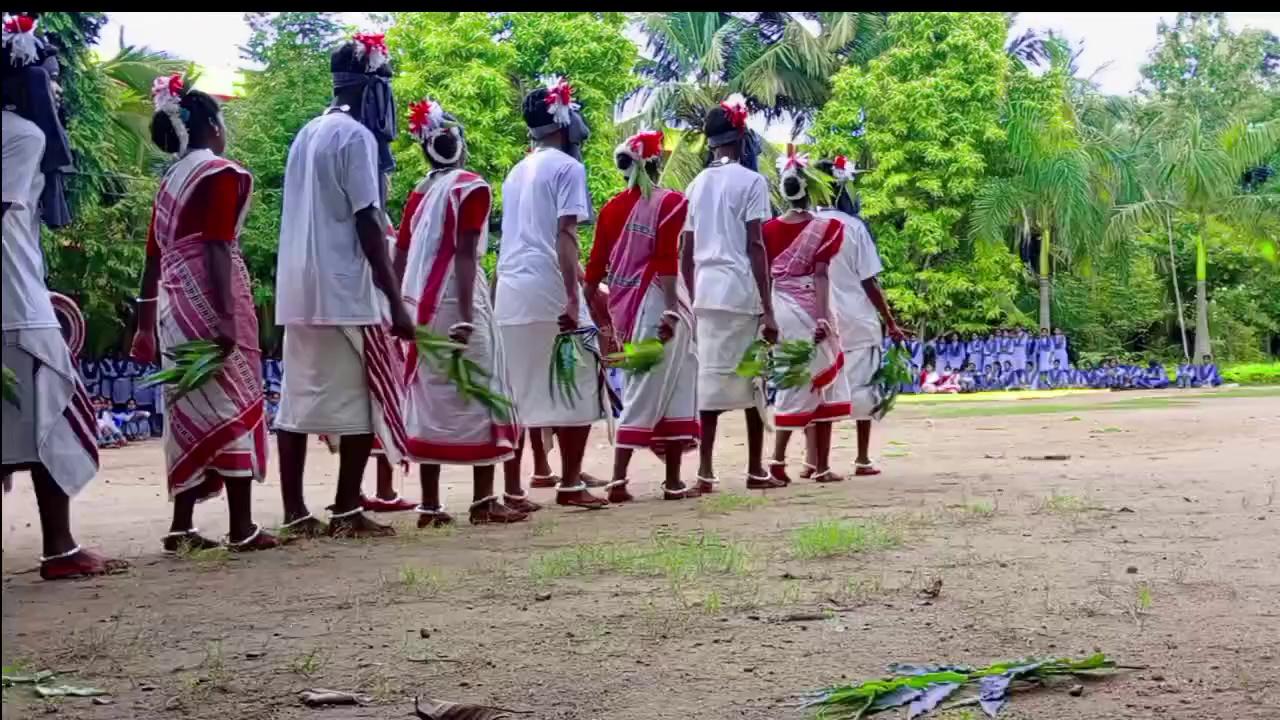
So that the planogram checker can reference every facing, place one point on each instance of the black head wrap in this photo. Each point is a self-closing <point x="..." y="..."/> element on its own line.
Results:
<point x="377" y="110"/>
<point x="721" y="131"/>
<point x="33" y="99"/>
<point x="541" y="123"/>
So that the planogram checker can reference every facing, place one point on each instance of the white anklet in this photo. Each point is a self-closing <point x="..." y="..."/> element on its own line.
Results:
<point x="302" y="519"/>
<point x="424" y="510"/>
<point x="517" y="496"/>
<point x="777" y="463"/>
<point x="808" y="466"/>
<point x="713" y="480"/>
<point x="182" y="533"/>
<point x="536" y="476"/>
<point x="64" y="555"/>
<point x="484" y="501"/>
<point x="616" y="483"/>
<point x="257" y="530"/>
<point x="572" y="488"/>
<point x="353" y="511"/>
<point x="766" y="476"/>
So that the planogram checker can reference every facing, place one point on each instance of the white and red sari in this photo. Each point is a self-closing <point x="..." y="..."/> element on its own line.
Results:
<point x="219" y="430"/>
<point x="795" y="306"/>
<point x="440" y="426"/>
<point x="659" y="408"/>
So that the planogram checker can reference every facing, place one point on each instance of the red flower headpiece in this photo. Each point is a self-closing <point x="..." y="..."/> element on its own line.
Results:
<point x="793" y="164"/>
<point x="426" y="121"/>
<point x="645" y="146"/>
<point x="166" y="95"/>
<point x="735" y="108"/>
<point x="560" y="100"/>
<point x="373" y="45"/>
<point x="843" y="169"/>
<point x="20" y="36"/>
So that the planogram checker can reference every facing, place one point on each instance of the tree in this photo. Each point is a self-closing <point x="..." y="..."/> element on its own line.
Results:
<point x="1199" y="174"/>
<point x="779" y="66"/>
<point x="494" y="59"/>
<point x="929" y="109"/>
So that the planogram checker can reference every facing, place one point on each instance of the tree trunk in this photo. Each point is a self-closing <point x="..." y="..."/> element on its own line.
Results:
<point x="1044" y="280"/>
<point x="1203" y="346"/>
<point x="1177" y="291"/>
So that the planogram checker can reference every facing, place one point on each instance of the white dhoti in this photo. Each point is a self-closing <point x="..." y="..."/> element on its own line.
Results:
<point x="860" y="366"/>
<point x="53" y="423"/>
<point x="445" y="428"/>
<point x="340" y="380"/>
<point x="534" y="390"/>
<point x="826" y="397"/>
<point x="722" y="339"/>
<point x="659" y="408"/>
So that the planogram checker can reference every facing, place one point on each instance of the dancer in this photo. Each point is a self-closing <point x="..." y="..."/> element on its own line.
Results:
<point x="196" y="287"/>
<point x="442" y="236"/>
<point x="50" y="430"/>
<point x="860" y="307"/>
<point x="726" y="271"/>
<point x="539" y="296"/>
<point x="339" y="361"/>
<point x="801" y="247"/>
<point x="637" y="246"/>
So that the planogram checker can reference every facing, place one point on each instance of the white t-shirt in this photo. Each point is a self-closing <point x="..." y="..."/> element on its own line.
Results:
<point x="322" y="275"/>
<point x="25" y="296"/>
<point x="858" y="259"/>
<point x="542" y="188"/>
<point x="722" y="200"/>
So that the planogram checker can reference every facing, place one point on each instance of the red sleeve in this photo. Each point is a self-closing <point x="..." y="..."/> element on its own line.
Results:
<point x="774" y="238"/>
<point x="219" y="196"/>
<point x="831" y="240"/>
<point x="406" y="220"/>
<point x="666" y="256"/>
<point x="153" y="250"/>
<point x="474" y="213"/>
<point x="608" y="229"/>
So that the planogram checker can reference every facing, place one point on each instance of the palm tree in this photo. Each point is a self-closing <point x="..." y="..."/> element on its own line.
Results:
<point x="1197" y="172"/>
<point x="779" y="66"/>
<point x="1052" y="201"/>
<point x="130" y="74"/>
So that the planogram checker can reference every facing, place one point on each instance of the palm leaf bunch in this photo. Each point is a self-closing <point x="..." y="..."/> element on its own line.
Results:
<point x="10" y="388"/>
<point x="636" y="359"/>
<point x="471" y="381"/>
<point x="786" y="365"/>
<point x="890" y="377"/>
<point x="194" y="364"/>
<point x="562" y="373"/>
<point x="923" y="687"/>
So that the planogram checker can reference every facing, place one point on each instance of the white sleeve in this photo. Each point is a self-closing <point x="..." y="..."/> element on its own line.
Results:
<point x="756" y="206"/>
<point x="360" y="171"/>
<point x="571" y="192"/>
<point x="22" y="153"/>
<point x="867" y="258"/>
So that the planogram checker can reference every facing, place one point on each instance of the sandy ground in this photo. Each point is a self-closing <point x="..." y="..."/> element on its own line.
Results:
<point x="1157" y="542"/>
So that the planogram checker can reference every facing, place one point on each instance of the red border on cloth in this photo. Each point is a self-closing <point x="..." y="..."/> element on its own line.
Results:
<point x="473" y="453"/>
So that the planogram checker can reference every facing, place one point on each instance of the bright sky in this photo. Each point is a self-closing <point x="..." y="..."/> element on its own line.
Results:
<point x="1115" y="44"/>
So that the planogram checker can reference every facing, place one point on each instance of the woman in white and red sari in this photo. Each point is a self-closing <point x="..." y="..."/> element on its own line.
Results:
<point x="637" y="246"/>
<point x="195" y="278"/>
<point x="442" y="237"/>
<point x="800" y="248"/>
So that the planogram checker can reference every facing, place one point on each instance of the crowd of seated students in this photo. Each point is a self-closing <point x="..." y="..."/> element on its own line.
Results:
<point x="1015" y="359"/>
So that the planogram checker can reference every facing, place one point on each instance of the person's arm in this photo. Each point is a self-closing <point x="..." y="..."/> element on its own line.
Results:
<point x="686" y="261"/>
<point x="601" y="247"/>
<point x="871" y="286"/>
<point x="822" y="288"/>
<point x="473" y="221"/>
<point x="760" y="272"/>
<point x="362" y="184"/>
<point x="404" y="235"/>
<point x="567" y="258"/>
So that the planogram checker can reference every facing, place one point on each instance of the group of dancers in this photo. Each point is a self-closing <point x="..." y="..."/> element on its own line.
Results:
<point x="707" y="273"/>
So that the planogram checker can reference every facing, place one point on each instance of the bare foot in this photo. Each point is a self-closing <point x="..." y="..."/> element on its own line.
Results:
<point x="679" y="492"/>
<point x="521" y="503"/>
<point x="618" y="492"/>
<point x="357" y="527"/>
<point x="187" y="541"/>
<point x="80" y="563"/>
<point x="579" y="497"/>
<point x="765" y="482"/>
<point x="491" y="511"/>
<point x="257" y="540"/>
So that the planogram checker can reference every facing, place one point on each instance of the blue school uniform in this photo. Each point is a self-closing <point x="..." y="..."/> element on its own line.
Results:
<point x="1044" y="353"/>
<point x="1019" y="354"/>
<point x="1209" y="375"/>
<point x="1185" y="375"/>
<point x="990" y="351"/>
<point x="90" y="375"/>
<point x="973" y="354"/>
<point x="1060" y="349"/>
<point x="1157" y="378"/>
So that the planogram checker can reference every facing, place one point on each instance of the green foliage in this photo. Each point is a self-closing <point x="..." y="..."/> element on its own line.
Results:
<point x="932" y="104"/>
<point x="493" y="60"/>
<point x="1253" y="373"/>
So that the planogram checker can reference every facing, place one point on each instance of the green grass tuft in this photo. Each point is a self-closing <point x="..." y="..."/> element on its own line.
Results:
<point x="676" y="558"/>
<point x="1253" y="374"/>
<point x="832" y="538"/>
<point x="723" y="503"/>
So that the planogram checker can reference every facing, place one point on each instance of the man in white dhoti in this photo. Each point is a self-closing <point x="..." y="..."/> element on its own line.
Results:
<point x="727" y="274"/>
<point x="49" y="427"/>
<point x="859" y="307"/>
<point x="539" y="304"/>
<point x="443" y="235"/>
<point x="339" y="362"/>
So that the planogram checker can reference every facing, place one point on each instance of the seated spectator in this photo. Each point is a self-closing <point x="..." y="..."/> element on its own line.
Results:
<point x="934" y="382"/>
<point x="109" y="435"/>
<point x="1031" y="377"/>
<point x="968" y="379"/>
<point x="1208" y="373"/>
<point x="1186" y="376"/>
<point x="273" y="406"/>
<point x="134" y="423"/>
<point x="1059" y="377"/>
<point x="1155" y="378"/>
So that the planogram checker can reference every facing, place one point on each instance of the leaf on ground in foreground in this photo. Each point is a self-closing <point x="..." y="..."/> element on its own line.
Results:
<point x="68" y="691"/>
<point x="27" y="679"/>
<point x="933" y="695"/>
<point x="319" y="696"/>
<point x="432" y="709"/>
<point x="896" y="697"/>
<point x="993" y="690"/>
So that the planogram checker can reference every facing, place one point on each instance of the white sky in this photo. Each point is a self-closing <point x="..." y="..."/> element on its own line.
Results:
<point x="1115" y="44"/>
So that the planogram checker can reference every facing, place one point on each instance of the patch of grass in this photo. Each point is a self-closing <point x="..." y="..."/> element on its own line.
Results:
<point x="832" y="538"/>
<point x="309" y="663"/>
<point x="1057" y="504"/>
<point x="1073" y="418"/>
<point x="424" y="581"/>
<point x="857" y="590"/>
<point x="1046" y="408"/>
<point x="678" y="558"/>
<point x="543" y="525"/>
<point x="1142" y="599"/>
<point x="974" y="511"/>
<point x="723" y="503"/>
<point x="207" y="559"/>
<point x="1245" y="392"/>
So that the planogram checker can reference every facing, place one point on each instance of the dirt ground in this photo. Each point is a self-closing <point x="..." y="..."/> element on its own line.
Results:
<point x="1157" y="542"/>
